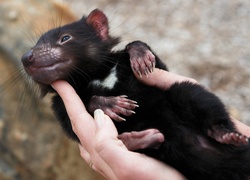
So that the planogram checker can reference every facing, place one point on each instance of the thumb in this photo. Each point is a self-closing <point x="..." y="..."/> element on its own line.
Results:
<point x="105" y="126"/>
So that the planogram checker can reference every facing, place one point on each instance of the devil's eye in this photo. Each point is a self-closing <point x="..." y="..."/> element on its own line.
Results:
<point x="65" y="38"/>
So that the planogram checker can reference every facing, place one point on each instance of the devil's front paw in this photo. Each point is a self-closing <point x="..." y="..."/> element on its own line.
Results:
<point x="113" y="106"/>
<point x="142" y="60"/>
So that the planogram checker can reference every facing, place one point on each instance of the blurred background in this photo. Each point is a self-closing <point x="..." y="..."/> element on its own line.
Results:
<point x="205" y="40"/>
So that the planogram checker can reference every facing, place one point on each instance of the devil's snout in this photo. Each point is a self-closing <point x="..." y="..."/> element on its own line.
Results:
<point x="27" y="58"/>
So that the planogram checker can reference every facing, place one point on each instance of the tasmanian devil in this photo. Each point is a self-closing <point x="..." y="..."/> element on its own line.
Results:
<point x="200" y="139"/>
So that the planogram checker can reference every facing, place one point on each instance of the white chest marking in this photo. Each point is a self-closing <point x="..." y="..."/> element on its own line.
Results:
<point x="110" y="81"/>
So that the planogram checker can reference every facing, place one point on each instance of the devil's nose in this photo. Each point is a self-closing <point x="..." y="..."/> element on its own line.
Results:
<point x="27" y="58"/>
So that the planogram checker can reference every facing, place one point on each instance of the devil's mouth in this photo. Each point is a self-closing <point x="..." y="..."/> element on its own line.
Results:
<point x="33" y="69"/>
<point x="46" y="74"/>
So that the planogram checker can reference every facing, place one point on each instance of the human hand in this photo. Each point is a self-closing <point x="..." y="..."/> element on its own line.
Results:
<point x="101" y="148"/>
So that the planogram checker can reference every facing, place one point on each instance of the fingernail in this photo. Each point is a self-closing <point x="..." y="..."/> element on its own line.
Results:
<point x="52" y="86"/>
<point x="121" y="119"/>
<point x="134" y="102"/>
<point x="99" y="117"/>
<point x="139" y="74"/>
<point x="133" y="112"/>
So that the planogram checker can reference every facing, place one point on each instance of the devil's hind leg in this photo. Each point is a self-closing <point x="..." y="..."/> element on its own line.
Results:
<point x="202" y="109"/>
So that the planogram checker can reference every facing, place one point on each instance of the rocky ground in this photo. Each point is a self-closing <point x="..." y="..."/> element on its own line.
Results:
<point x="206" y="40"/>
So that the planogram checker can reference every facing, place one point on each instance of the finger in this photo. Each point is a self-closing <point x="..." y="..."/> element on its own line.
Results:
<point x="70" y="98"/>
<point x="106" y="134"/>
<point x="84" y="154"/>
<point x="77" y="113"/>
<point x="105" y="126"/>
<point x="99" y="117"/>
<point x="163" y="79"/>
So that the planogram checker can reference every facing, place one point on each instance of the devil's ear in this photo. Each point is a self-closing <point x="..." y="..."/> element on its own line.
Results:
<point x="98" y="20"/>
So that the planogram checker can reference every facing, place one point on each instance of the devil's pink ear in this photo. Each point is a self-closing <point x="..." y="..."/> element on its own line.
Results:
<point x="98" y="20"/>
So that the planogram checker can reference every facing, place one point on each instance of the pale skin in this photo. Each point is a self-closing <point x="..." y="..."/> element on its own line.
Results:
<point x="99" y="143"/>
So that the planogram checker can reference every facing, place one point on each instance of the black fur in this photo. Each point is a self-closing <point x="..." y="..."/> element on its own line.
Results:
<point x="184" y="113"/>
